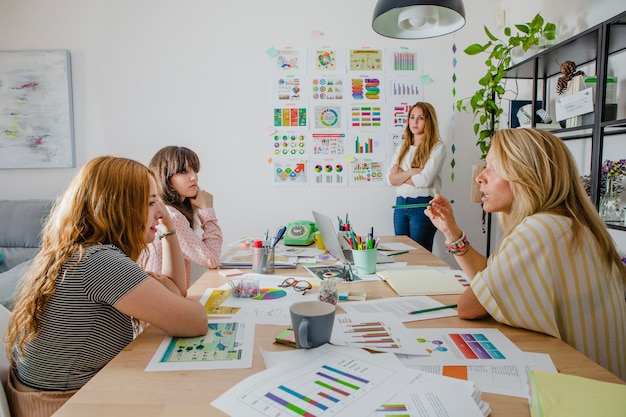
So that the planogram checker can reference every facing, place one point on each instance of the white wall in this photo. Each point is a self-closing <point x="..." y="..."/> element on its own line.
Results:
<point x="195" y="73"/>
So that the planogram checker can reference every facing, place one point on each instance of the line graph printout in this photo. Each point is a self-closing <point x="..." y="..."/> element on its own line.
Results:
<point x="333" y="384"/>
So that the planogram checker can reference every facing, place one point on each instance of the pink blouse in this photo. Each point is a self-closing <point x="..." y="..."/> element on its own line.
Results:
<point x="204" y="251"/>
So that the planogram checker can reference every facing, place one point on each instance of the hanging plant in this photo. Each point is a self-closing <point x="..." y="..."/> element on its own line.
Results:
<point x="485" y="103"/>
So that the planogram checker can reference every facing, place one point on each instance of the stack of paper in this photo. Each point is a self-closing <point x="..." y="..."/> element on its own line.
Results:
<point x="560" y="395"/>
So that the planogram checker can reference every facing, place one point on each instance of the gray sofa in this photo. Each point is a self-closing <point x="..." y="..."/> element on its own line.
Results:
<point x="21" y="222"/>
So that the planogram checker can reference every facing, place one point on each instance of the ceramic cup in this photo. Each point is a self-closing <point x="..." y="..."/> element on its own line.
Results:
<point x="312" y="323"/>
<point x="364" y="261"/>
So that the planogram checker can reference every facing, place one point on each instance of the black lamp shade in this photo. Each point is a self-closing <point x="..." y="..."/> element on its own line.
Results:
<point x="418" y="19"/>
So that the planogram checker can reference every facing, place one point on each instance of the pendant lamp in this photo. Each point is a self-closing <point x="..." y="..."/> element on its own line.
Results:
<point x="418" y="19"/>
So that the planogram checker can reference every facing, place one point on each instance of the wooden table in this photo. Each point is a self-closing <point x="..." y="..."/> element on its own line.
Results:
<point x="122" y="388"/>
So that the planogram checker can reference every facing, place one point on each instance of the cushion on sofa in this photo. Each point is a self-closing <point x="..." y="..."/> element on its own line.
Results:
<point x="9" y="281"/>
<point x="21" y="222"/>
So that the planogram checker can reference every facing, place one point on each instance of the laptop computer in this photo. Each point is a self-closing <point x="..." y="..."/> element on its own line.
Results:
<point x="333" y="242"/>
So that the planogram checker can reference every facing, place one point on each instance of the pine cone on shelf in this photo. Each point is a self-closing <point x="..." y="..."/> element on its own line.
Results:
<point x="568" y="69"/>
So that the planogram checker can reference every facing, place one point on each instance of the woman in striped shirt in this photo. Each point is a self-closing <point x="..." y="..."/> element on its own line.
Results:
<point x="76" y="305"/>
<point x="557" y="270"/>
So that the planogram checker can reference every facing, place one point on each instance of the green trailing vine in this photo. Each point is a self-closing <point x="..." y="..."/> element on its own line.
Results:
<point x="485" y="103"/>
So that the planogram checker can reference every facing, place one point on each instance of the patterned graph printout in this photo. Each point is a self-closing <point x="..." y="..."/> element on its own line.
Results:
<point x="324" y="386"/>
<point x="227" y="344"/>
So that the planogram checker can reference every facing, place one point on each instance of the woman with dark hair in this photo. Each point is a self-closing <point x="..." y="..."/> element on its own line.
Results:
<point x="191" y="209"/>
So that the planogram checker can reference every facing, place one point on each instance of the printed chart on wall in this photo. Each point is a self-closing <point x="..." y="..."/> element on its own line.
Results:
<point x="349" y="105"/>
<point x="226" y="345"/>
<point x="328" y="171"/>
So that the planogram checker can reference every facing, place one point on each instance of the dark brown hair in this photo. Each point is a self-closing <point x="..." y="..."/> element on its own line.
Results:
<point x="165" y="163"/>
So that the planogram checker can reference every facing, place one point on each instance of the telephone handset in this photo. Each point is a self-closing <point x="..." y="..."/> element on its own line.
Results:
<point x="300" y="233"/>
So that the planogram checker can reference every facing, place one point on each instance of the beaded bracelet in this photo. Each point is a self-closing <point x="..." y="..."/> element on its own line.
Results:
<point x="459" y="247"/>
<point x="166" y="234"/>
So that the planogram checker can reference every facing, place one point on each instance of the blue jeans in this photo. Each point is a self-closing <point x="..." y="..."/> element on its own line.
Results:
<point x="413" y="222"/>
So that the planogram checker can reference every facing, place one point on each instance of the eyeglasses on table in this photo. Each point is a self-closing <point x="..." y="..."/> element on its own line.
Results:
<point x="298" y="285"/>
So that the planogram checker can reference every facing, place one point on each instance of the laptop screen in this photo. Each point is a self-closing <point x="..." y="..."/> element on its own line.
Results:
<point x="326" y="228"/>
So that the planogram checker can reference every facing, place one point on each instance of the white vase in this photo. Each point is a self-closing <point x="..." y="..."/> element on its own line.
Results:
<point x="611" y="209"/>
<point x="518" y="54"/>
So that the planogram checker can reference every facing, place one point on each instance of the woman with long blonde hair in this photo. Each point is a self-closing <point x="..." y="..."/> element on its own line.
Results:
<point x="75" y="307"/>
<point x="415" y="173"/>
<point x="557" y="270"/>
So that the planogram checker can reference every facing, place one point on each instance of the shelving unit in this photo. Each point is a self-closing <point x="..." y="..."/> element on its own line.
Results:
<point x="593" y="46"/>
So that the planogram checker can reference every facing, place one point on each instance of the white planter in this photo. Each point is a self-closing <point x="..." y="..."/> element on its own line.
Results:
<point x="518" y="54"/>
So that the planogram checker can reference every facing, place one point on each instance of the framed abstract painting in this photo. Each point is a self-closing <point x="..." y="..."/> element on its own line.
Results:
<point x="36" y="117"/>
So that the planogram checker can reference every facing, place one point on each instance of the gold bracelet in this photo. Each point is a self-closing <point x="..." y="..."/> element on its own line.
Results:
<point x="166" y="234"/>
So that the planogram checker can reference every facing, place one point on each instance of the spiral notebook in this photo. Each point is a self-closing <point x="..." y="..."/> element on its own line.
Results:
<point x="421" y="281"/>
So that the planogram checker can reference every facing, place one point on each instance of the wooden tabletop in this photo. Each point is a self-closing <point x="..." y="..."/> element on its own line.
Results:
<point x="122" y="388"/>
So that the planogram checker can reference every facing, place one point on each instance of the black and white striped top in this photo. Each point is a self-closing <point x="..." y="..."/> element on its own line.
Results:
<point x="81" y="331"/>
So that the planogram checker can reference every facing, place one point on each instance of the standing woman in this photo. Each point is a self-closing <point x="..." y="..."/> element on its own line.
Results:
<point x="191" y="209"/>
<point x="76" y="305"/>
<point x="415" y="172"/>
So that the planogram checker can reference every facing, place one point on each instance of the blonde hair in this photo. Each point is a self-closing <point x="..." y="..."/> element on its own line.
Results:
<point x="106" y="203"/>
<point x="543" y="177"/>
<point x="431" y="136"/>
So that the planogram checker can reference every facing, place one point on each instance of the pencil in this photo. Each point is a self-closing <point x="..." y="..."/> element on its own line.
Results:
<point x="398" y="253"/>
<point x="427" y="310"/>
<point x="406" y="206"/>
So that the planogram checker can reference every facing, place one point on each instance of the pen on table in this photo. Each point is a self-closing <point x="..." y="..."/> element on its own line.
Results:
<point x="398" y="253"/>
<point x="427" y="310"/>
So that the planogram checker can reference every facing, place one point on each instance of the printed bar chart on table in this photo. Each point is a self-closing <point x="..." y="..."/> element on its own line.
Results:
<point x="333" y="385"/>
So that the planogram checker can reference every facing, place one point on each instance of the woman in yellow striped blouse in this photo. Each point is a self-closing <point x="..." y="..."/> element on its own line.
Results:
<point x="556" y="270"/>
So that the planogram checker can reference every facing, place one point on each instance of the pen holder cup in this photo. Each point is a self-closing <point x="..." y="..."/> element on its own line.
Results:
<point x="364" y="261"/>
<point x="263" y="260"/>
<point x="244" y="287"/>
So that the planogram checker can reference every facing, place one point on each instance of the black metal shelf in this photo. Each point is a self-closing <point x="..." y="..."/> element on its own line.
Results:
<point x="594" y="45"/>
<point x="581" y="49"/>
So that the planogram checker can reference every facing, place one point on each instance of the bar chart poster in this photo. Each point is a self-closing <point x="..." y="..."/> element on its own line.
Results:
<point x="364" y="142"/>
<point x="333" y="385"/>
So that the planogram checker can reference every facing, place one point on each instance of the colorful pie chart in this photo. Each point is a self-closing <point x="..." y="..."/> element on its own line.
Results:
<point x="270" y="294"/>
